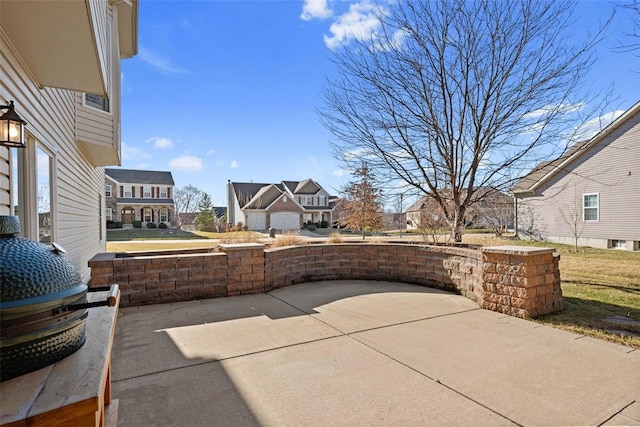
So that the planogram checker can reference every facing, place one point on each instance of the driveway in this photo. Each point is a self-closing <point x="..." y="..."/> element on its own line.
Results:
<point x="348" y="353"/>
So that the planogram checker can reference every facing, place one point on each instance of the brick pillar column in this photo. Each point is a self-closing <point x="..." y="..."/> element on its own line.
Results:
<point x="521" y="281"/>
<point x="245" y="266"/>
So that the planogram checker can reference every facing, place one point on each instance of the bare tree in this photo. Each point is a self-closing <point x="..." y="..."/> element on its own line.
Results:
<point x="571" y="214"/>
<point x="186" y="200"/>
<point x="431" y="225"/>
<point x="363" y="209"/>
<point x="451" y="96"/>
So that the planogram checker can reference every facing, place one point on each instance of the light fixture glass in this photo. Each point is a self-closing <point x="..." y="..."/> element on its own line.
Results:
<point x="11" y="127"/>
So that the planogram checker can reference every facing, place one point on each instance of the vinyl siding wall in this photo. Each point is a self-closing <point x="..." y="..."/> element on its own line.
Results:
<point x="610" y="169"/>
<point x="51" y="117"/>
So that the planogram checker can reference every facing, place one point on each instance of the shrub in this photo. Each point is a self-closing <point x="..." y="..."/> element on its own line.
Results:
<point x="311" y="227"/>
<point x="324" y="224"/>
<point x="118" y="224"/>
<point x="288" y="238"/>
<point x="111" y="224"/>
<point x="335" y="238"/>
<point x="151" y="225"/>
<point x="162" y="225"/>
<point x="137" y="224"/>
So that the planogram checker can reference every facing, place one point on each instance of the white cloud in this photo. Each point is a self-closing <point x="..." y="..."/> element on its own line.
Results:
<point x="143" y="166"/>
<point x="590" y="128"/>
<point x="157" y="61"/>
<point x="547" y="109"/>
<point x="160" y="142"/>
<point x="338" y="172"/>
<point x="130" y="152"/>
<point x="186" y="163"/>
<point x="210" y="152"/>
<point x="315" y="9"/>
<point x="359" y="22"/>
<point x="233" y="164"/>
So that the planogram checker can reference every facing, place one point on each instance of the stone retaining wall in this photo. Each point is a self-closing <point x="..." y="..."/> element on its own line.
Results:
<point x="519" y="281"/>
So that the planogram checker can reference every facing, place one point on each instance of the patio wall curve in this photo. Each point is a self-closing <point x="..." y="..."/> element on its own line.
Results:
<point x="519" y="281"/>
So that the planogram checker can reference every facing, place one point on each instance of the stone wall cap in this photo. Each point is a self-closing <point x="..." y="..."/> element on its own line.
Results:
<point x="104" y="256"/>
<point x="239" y="246"/>
<point x="517" y="250"/>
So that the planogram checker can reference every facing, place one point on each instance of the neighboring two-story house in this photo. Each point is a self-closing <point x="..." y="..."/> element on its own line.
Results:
<point x="589" y="196"/>
<point x="60" y="65"/>
<point x="283" y="206"/>
<point x="139" y="195"/>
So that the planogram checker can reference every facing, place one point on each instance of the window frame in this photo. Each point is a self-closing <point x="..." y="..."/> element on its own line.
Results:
<point x="164" y="212"/>
<point x="145" y="194"/>
<point x="108" y="190"/>
<point x="125" y="192"/>
<point x="596" y="207"/>
<point x="144" y="215"/>
<point x="164" y="193"/>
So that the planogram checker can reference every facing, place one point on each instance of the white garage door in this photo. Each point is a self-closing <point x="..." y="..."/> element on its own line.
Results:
<point x="285" y="221"/>
<point x="256" y="221"/>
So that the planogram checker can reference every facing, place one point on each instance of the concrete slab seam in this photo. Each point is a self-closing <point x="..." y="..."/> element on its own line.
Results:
<point x="617" y="413"/>
<point x="436" y="381"/>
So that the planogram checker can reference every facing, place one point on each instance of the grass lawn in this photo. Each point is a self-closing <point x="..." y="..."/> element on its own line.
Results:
<point x="596" y="283"/>
<point x="143" y="239"/>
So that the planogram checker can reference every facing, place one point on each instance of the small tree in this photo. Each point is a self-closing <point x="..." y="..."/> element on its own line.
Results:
<point x="206" y="219"/>
<point x="571" y="214"/>
<point x="495" y="209"/>
<point x="363" y="209"/>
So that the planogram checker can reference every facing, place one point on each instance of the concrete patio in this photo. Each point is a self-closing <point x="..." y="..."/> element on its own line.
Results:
<point x="362" y="353"/>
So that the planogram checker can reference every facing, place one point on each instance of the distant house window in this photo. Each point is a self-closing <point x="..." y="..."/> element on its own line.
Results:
<point x="163" y="192"/>
<point x="322" y="200"/>
<point x="107" y="190"/>
<point x="306" y="201"/>
<point x="164" y="215"/>
<point x="127" y="191"/>
<point x="147" y="192"/>
<point x="591" y="207"/>
<point x="96" y="101"/>
<point x="147" y="215"/>
<point x="284" y="199"/>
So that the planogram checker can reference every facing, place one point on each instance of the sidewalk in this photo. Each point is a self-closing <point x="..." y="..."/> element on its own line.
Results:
<point x="362" y="353"/>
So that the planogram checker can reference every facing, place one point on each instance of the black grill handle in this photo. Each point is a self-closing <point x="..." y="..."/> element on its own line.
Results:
<point x="110" y="301"/>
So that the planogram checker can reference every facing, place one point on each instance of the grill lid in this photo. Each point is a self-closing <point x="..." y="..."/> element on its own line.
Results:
<point x="29" y="270"/>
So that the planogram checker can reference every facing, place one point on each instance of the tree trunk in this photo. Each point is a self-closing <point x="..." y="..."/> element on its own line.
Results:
<point x="457" y="225"/>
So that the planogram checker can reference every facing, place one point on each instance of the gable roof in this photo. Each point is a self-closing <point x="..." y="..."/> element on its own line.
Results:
<point x="133" y="176"/>
<point x="545" y="170"/>
<point x="308" y="186"/>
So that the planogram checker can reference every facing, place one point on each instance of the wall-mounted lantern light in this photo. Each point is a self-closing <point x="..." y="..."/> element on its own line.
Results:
<point x="11" y="127"/>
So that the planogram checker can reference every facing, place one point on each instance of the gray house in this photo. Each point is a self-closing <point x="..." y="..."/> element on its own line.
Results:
<point x="591" y="195"/>
<point x="285" y="206"/>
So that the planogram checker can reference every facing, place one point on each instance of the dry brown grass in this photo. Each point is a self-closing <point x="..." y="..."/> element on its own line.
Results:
<point x="335" y="238"/>
<point x="288" y="238"/>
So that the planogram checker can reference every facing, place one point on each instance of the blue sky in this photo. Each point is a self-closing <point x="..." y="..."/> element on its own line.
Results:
<point x="227" y="89"/>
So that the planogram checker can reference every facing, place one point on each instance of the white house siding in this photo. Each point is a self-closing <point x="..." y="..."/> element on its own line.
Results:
<point x="611" y="168"/>
<point x="50" y="114"/>
<point x="5" y="182"/>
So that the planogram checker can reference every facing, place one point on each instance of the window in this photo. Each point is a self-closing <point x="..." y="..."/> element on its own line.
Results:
<point x="127" y="191"/>
<point x="33" y="190"/>
<point x="109" y="213"/>
<point x="164" y="215"/>
<point x="306" y="201"/>
<point x="591" y="207"/>
<point x="147" y="215"/>
<point x="322" y="200"/>
<point x="97" y="102"/>
<point x="146" y="191"/>
<point x="618" y="244"/>
<point x="284" y="199"/>
<point x="107" y="190"/>
<point x="163" y="192"/>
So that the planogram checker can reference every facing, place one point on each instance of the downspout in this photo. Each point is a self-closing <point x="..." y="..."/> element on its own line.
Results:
<point x="515" y="211"/>
<point x="230" y="211"/>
